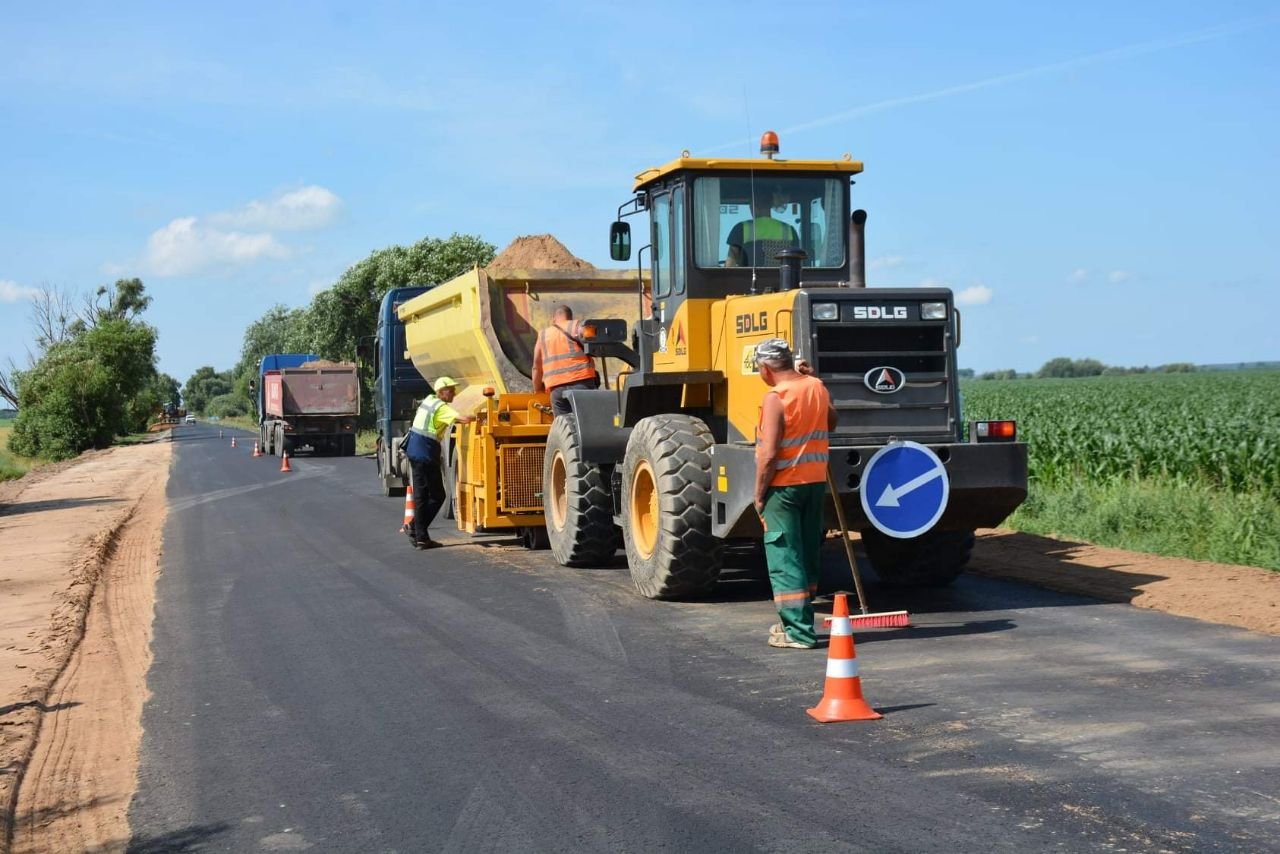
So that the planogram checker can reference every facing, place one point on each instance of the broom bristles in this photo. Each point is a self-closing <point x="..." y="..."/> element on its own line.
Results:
<point x="886" y="620"/>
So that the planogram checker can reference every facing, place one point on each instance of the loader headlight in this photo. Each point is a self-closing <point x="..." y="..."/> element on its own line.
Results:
<point x="826" y="311"/>
<point x="933" y="311"/>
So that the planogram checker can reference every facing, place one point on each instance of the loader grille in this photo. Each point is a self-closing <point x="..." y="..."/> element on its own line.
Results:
<point x="521" y="475"/>
<point x="923" y="410"/>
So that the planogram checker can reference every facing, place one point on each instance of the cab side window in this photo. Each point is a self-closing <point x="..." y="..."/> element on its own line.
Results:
<point x="662" y="245"/>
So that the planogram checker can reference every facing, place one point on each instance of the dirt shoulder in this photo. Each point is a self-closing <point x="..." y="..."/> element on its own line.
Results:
<point x="70" y="535"/>
<point x="1242" y="596"/>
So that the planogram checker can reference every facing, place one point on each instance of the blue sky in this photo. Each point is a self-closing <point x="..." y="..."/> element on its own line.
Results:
<point x="1092" y="179"/>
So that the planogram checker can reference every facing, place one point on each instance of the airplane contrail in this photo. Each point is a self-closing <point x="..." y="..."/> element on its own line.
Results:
<point x="1140" y="49"/>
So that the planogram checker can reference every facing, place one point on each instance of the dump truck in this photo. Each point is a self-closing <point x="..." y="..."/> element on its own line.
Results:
<point x="663" y="463"/>
<point x="311" y="405"/>
<point x="397" y="389"/>
<point x="480" y="328"/>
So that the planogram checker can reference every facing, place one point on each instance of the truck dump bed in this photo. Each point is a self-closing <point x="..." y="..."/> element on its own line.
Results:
<point x="331" y="390"/>
<point x="480" y="328"/>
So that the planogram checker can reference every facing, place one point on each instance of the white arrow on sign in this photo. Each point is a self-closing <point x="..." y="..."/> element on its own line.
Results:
<point x="891" y="494"/>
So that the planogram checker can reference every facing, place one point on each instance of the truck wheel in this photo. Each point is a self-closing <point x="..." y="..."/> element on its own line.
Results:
<point x="934" y="559"/>
<point x="666" y="507"/>
<point x="534" y="539"/>
<point x="576" y="501"/>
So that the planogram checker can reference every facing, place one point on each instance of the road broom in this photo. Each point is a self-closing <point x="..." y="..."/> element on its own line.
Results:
<point x="865" y="620"/>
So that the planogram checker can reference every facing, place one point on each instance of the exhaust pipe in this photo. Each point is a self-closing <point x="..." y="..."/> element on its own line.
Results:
<point x="858" y="249"/>
<point x="789" y="268"/>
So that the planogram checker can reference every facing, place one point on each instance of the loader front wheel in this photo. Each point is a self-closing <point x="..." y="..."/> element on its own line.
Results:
<point x="576" y="501"/>
<point x="934" y="559"/>
<point x="666" y="502"/>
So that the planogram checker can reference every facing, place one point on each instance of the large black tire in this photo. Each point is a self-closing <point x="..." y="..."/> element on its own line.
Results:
<point x="934" y="559"/>
<point x="666" y="508"/>
<point x="576" y="502"/>
<point x="348" y="445"/>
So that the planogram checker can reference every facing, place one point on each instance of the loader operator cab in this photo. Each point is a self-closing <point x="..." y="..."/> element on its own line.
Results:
<point x="717" y="229"/>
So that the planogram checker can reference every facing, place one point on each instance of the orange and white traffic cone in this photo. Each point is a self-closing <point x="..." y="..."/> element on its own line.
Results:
<point x="257" y="452"/>
<point x="407" y="527"/>
<point x="842" y="695"/>
<point x="233" y="441"/>
<point x="284" y="461"/>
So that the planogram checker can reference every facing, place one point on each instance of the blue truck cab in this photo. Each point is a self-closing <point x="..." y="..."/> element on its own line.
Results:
<point x="397" y="389"/>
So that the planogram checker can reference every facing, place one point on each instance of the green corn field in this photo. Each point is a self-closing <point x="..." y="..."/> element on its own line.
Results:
<point x="1179" y="464"/>
<point x="1216" y="429"/>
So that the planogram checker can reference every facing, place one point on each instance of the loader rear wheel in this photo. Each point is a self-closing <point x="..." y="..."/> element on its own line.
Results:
<point x="666" y="502"/>
<point x="934" y="559"/>
<point x="576" y="501"/>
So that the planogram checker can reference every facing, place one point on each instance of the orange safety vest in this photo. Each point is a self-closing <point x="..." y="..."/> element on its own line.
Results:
<point x="803" y="449"/>
<point x="564" y="360"/>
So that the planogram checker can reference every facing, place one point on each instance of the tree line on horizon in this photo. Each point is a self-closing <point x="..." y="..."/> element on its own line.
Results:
<point x="1064" y="367"/>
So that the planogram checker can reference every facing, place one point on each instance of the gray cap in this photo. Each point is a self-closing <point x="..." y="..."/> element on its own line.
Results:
<point x="774" y="350"/>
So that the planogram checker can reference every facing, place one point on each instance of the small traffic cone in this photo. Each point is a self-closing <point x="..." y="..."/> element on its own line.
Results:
<point x="233" y="441"/>
<point x="407" y="527"/>
<point x="842" y="695"/>
<point x="284" y="461"/>
<point x="257" y="452"/>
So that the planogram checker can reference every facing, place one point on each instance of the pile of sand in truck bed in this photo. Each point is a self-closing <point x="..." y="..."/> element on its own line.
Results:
<point x="537" y="252"/>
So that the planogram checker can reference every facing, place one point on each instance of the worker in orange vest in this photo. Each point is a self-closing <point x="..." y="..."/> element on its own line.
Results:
<point x="791" y="478"/>
<point x="560" y="360"/>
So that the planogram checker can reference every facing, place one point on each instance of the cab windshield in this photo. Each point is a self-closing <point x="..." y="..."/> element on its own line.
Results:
<point x="746" y="221"/>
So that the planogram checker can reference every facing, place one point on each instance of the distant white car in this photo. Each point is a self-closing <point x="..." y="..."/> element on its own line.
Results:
<point x="191" y="419"/>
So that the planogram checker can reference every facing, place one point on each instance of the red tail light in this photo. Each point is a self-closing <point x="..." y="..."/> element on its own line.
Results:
<point x="993" y="431"/>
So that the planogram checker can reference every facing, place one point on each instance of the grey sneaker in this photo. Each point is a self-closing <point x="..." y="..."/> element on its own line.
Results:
<point x="784" y="641"/>
<point x="776" y="629"/>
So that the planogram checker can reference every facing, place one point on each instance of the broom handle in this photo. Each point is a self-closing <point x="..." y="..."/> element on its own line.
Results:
<point x="848" y="547"/>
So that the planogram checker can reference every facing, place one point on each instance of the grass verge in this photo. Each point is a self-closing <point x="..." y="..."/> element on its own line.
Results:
<point x="12" y="465"/>
<point x="1195" y="522"/>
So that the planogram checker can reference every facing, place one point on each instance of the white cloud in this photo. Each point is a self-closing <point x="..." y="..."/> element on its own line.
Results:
<point x="886" y="262"/>
<point x="11" y="291"/>
<point x="303" y="209"/>
<point x="186" y="246"/>
<point x="1078" y="275"/>
<point x="193" y="244"/>
<point x="932" y="283"/>
<point x="976" y="295"/>
<point x="1115" y="277"/>
<point x="318" y="285"/>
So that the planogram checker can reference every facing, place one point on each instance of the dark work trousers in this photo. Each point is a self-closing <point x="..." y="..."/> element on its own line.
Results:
<point x="559" y="404"/>
<point x="428" y="496"/>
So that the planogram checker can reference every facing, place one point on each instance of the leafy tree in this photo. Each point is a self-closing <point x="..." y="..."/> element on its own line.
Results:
<point x="965" y="373"/>
<point x="203" y="386"/>
<point x="227" y="406"/>
<point x="86" y="390"/>
<point x="1007" y="374"/>
<point x="95" y="377"/>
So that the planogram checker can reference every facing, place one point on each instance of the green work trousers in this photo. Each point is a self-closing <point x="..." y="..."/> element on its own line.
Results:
<point x="792" y="545"/>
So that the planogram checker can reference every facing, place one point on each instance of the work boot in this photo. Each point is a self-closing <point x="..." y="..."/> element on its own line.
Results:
<point x="426" y="544"/>
<point x="784" y="641"/>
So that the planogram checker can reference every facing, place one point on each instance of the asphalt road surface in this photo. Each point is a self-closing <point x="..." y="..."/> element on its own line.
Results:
<point x="318" y="685"/>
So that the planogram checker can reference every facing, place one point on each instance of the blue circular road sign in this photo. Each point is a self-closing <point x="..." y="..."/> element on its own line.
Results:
<point x="904" y="489"/>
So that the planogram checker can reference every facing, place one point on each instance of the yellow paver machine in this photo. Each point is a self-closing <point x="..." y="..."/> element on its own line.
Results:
<point x="661" y="462"/>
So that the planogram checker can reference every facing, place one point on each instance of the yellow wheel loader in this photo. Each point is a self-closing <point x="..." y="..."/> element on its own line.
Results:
<point x="739" y="250"/>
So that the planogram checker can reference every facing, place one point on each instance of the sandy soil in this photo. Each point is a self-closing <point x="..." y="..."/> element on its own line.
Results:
<point x="537" y="252"/>
<point x="1221" y="593"/>
<point x="72" y="676"/>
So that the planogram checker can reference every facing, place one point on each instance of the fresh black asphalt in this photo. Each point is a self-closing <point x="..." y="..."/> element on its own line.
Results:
<point x="318" y="685"/>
